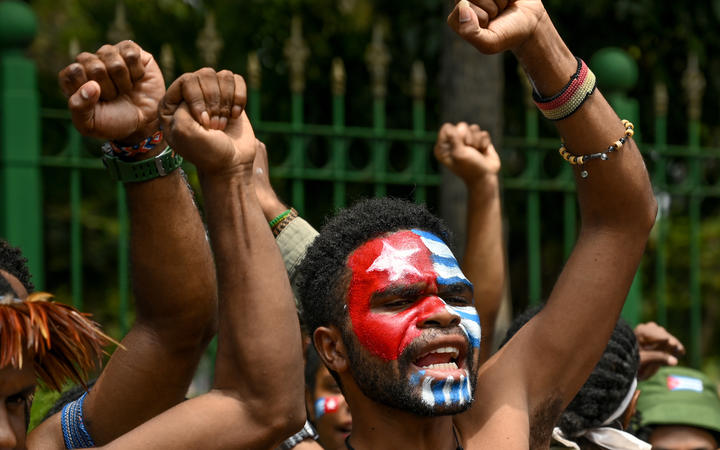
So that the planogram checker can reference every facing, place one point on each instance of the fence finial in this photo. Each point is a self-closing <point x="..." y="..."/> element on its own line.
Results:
<point x="167" y="62"/>
<point x="120" y="29"/>
<point x="338" y="77"/>
<point x="296" y="54"/>
<point x="693" y="82"/>
<point x="661" y="99"/>
<point x="377" y="57"/>
<point x="209" y="42"/>
<point x="254" y="72"/>
<point x="418" y="80"/>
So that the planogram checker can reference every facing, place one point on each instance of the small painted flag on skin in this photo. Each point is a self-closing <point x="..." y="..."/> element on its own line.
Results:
<point x="680" y="383"/>
<point x="326" y="405"/>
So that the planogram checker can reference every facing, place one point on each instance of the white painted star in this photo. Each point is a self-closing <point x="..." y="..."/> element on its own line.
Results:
<point x="394" y="262"/>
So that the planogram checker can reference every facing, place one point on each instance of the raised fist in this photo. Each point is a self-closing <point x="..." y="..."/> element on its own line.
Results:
<point x="493" y="26"/>
<point x="467" y="151"/>
<point x="203" y="119"/>
<point x="114" y="93"/>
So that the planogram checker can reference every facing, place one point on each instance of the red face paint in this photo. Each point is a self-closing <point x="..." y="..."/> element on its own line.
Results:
<point x="400" y="259"/>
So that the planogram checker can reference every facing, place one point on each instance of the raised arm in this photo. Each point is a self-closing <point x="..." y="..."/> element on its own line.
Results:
<point x="552" y="356"/>
<point x="469" y="153"/>
<point x="114" y="95"/>
<point x="257" y="395"/>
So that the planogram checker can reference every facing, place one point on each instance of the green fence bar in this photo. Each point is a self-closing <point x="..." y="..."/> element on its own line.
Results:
<point x="123" y="264"/>
<point x="379" y="148"/>
<point x="694" y="212"/>
<point x="297" y="160"/>
<point x="338" y="143"/>
<point x="660" y="183"/>
<point x="76" y="260"/>
<point x="20" y="176"/>
<point x="419" y="152"/>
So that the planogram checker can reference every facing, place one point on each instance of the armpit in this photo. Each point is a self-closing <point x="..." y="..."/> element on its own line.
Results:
<point x="542" y="421"/>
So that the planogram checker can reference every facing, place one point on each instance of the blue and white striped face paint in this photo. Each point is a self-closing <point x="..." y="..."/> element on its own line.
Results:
<point x="444" y="392"/>
<point x="448" y="272"/>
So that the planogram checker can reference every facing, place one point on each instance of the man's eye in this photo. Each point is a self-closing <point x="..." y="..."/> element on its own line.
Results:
<point x="398" y="303"/>
<point x="458" y="301"/>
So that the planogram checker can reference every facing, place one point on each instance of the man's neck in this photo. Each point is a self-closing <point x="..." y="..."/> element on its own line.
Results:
<point x="380" y="427"/>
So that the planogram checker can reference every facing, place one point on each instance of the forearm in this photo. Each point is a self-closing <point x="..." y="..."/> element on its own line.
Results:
<point x="259" y="335"/>
<point x="617" y="192"/>
<point x="483" y="262"/>
<point x="172" y="267"/>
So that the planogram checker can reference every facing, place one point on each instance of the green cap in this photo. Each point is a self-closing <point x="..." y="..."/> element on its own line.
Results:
<point x="679" y="396"/>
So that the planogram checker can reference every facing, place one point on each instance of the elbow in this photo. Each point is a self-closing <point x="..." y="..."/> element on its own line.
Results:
<point x="285" y="423"/>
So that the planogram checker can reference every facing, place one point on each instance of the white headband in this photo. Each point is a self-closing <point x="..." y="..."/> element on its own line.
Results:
<point x="606" y="437"/>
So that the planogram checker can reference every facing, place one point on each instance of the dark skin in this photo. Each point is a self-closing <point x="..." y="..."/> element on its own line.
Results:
<point x="249" y="406"/>
<point x="469" y="153"/>
<point x="520" y="392"/>
<point x="114" y="94"/>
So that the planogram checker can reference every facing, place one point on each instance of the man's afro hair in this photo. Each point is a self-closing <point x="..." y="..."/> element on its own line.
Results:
<point x="13" y="262"/>
<point x="322" y="275"/>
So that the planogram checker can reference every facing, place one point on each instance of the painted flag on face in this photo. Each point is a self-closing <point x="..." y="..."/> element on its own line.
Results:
<point x="326" y="405"/>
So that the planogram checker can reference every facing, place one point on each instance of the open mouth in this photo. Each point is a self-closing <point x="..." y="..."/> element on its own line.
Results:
<point x="443" y="358"/>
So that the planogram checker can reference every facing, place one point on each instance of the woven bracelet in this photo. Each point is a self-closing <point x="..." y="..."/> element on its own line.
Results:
<point x="278" y="227"/>
<point x="112" y="148"/>
<point x="563" y="104"/>
<point x="579" y="160"/>
<point x="279" y="217"/>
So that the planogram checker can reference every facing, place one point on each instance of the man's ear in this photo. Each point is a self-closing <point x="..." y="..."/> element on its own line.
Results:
<point x="331" y="348"/>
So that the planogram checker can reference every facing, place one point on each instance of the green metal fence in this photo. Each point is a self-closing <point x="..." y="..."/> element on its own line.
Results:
<point x="23" y="164"/>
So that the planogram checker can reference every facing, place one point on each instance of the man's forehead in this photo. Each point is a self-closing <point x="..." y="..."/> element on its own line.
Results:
<point x="405" y="240"/>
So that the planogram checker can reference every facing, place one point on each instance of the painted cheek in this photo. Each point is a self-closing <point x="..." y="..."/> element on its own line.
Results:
<point x="327" y="405"/>
<point x="387" y="335"/>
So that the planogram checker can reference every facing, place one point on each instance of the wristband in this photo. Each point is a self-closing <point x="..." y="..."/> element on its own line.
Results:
<point x="563" y="104"/>
<point x="279" y="217"/>
<point x="130" y="151"/>
<point x="307" y="432"/>
<point x="130" y="172"/>
<point x="284" y="221"/>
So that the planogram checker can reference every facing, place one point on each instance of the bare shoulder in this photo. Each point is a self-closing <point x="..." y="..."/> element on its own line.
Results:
<point x="501" y="415"/>
<point x="47" y="435"/>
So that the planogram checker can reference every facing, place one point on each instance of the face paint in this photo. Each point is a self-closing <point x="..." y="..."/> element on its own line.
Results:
<point x="399" y="260"/>
<point x="326" y="405"/>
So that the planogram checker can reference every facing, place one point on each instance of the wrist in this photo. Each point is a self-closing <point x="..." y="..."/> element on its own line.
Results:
<point x="487" y="183"/>
<point x="139" y="134"/>
<point x="237" y="176"/>
<point x="546" y="59"/>
<point x="272" y="209"/>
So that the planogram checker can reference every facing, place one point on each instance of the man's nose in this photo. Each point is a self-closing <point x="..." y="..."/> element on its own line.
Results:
<point x="437" y="314"/>
<point x="7" y="435"/>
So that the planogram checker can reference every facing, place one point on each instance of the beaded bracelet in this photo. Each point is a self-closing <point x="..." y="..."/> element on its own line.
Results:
<point x="563" y="104"/>
<point x="284" y="222"/>
<point x="114" y="149"/>
<point x="579" y="160"/>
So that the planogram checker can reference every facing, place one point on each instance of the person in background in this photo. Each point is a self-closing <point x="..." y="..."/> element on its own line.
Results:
<point x="679" y="409"/>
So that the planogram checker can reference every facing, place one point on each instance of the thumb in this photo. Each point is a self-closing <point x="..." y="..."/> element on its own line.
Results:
<point x="464" y="20"/>
<point x="82" y="106"/>
<point x="183" y="132"/>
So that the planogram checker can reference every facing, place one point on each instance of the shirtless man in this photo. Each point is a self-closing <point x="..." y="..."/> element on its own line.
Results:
<point x="391" y="313"/>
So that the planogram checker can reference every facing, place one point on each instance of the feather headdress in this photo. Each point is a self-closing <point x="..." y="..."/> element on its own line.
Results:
<point x="62" y="342"/>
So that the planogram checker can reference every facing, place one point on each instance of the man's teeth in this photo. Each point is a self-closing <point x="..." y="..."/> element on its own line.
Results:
<point x="454" y="352"/>
<point x="446" y="366"/>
